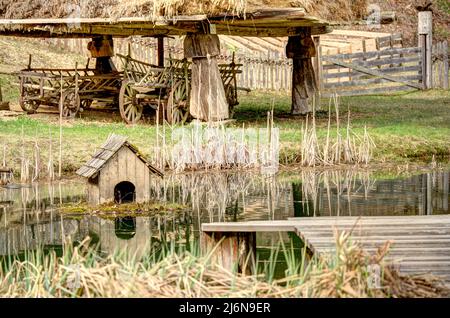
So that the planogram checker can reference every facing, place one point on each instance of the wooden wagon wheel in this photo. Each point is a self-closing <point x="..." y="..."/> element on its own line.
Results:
<point x="177" y="109"/>
<point x="71" y="103"/>
<point x="28" y="105"/>
<point x="230" y="95"/>
<point x="130" y="108"/>
<point x="86" y="103"/>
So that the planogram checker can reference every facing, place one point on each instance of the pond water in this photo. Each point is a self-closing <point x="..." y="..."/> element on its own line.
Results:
<point x="29" y="216"/>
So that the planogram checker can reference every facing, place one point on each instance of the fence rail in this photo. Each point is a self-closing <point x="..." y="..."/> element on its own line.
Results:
<point x="273" y="71"/>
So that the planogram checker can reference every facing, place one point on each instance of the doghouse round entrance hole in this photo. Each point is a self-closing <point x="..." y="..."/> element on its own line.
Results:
<point x="124" y="192"/>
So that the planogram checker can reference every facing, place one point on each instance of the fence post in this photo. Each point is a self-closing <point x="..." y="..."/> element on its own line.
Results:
<point x="445" y="61"/>
<point x="426" y="43"/>
<point x="318" y="67"/>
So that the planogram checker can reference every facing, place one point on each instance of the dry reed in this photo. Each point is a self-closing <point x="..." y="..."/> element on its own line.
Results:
<point x="353" y="149"/>
<point x="81" y="273"/>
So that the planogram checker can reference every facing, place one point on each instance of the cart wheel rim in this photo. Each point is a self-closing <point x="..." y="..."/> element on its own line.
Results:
<point x="177" y="104"/>
<point x="27" y="105"/>
<point x="86" y="103"/>
<point x="71" y="104"/>
<point x="130" y="110"/>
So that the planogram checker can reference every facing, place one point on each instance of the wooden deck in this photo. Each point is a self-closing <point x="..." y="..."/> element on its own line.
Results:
<point x="420" y="244"/>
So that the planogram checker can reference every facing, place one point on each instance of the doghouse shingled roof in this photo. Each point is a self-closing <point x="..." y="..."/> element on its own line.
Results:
<point x="106" y="152"/>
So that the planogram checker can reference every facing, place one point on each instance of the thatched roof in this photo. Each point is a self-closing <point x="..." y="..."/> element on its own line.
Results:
<point x="52" y="18"/>
<point x="336" y="10"/>
<point x="112" y="145"/>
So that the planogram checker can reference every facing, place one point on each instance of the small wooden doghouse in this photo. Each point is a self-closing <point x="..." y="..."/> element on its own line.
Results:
<point x="118" y="172"/>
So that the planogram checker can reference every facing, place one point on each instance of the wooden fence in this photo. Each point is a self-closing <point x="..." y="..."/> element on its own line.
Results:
<point x="271" y="70"/>
<point x="373" y="72"/>
<point x="440" y="65"/>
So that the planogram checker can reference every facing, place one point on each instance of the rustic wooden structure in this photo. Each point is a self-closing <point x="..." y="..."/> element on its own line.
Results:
<point x="373" y="72"/>
<point x="420" y="244"/>
<point x="207" y="99"/>
<point x="79" y="88"/>
<point x="207" y="93"/>
<point x="302" y="49"/>
<point x="167" y="89"/>
<point x="117" y="172"/>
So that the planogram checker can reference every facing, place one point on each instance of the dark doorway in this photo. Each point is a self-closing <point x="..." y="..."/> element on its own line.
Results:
<point x="124" y="192"/>
<point x="125" y="228"/>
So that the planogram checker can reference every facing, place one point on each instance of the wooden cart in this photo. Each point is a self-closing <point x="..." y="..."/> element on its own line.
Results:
<point x="165" y="88"/>
<point x="140" y="85"/>
<point x="79" y="87"/>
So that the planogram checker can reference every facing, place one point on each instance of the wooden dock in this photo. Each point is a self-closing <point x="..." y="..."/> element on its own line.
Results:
<point x="420" y="244"/>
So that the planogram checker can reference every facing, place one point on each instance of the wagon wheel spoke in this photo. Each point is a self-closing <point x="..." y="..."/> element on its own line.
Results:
<point x="71" y="103"/>
<point x="86" y="103"/>
<point x="130" y="108"/>
<point x="177" y="110"/>
<point x="28" y="105"/>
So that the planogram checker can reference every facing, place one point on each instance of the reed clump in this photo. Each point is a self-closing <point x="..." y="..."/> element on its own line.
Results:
<point x="350" y="148"/>
<point x="81" y="272"/>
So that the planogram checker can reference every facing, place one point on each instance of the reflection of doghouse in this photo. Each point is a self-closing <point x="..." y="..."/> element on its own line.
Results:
<point x="118" y="172"/>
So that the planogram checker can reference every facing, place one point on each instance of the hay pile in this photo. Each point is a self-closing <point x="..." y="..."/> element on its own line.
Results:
<point x="339" y="10"/>
<point x="77" y="274"/>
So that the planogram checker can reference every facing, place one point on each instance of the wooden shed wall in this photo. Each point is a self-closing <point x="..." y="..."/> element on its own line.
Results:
<point x="123" y="166"/>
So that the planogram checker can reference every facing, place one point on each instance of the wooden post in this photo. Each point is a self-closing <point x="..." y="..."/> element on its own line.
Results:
<point x="301" y="49"/>
<point x="426" y="43"/>
<point x="102" y="49"/>
<point x="232" y="251"/>
<point x="445" y="190"/>
<point x="161" y="51"/>
<point x="207" y="99"/>
<point x="445" y="61"/>
<point x="318" y="67"/>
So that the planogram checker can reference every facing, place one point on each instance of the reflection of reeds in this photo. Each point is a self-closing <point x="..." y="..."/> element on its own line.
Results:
<point x="37" y="161"/>
<point x="345" y="182"/>
<point x="50" y="164"/>
<point x="24" y="163"/>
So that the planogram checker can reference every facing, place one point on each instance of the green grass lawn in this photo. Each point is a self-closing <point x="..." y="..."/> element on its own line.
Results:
<point x="405" y="127"/>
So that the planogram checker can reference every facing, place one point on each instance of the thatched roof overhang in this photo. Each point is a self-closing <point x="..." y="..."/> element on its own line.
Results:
<point x="261" y="23"/>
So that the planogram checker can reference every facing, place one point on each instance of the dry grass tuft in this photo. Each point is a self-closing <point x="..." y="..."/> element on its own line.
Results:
<point x="80" y="273"/>
<point x="348" y="149"/>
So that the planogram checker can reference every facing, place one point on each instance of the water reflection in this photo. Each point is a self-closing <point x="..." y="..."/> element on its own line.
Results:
<point x="125" y="227"/>
<point x="29" y="217"/>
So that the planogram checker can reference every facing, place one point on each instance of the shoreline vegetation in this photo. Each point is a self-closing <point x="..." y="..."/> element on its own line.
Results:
<point x="113" y="210"/>
<point x="174" y="271"/>
<point x="406" y="129"/>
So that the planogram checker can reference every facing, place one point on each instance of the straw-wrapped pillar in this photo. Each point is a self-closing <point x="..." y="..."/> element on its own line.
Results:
<point x="301" y="49"/>
<point x="102" y="49"/>
<point x="208" y="100"/>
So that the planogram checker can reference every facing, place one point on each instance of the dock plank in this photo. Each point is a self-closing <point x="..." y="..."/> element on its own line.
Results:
<point x="420" y="244"/>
